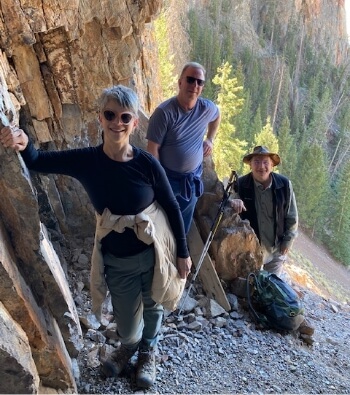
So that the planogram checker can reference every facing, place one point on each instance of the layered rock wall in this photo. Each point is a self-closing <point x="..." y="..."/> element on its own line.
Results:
<point x="55" y="58"/>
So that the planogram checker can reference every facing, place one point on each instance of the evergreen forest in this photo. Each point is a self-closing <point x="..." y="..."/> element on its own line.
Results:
<point x="279" y="90"/>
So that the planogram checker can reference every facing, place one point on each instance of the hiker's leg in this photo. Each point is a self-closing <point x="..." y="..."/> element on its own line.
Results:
<point x="187" y="206"/>
<point x="152" y="311"/>
<point x="274" y="263"/>
<point x="124" y="280"/>
<point x="187" y="210"/>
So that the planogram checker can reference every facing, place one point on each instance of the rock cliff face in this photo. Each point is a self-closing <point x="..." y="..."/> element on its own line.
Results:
<point x="323" y="21"/>
<point x="55" y="58"/>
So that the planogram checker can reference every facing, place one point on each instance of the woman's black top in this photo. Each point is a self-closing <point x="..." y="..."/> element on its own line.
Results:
<point x="125" y="188"/>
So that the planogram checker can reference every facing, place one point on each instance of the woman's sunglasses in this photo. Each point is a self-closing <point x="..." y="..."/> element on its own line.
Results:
<point x="192" y="80"/>
<point x="124" y="117"/>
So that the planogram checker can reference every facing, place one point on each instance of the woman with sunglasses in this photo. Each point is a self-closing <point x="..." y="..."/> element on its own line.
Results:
<point x="140" y="250"/>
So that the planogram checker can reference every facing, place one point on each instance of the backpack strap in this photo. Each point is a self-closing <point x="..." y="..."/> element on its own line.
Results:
<point x="250" y="284"/>
<point x="258" y="317"/>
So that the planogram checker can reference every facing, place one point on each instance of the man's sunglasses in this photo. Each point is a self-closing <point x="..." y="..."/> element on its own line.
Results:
<point x="124" y="117"/>
<point x="192" y="80"/>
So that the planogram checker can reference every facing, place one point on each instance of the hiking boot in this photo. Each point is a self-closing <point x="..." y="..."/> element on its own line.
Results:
<point x="307" y="339"/>
<point x="306" y="328"/>
<point x="117" y="361"/>
<point x="146" y="368"/>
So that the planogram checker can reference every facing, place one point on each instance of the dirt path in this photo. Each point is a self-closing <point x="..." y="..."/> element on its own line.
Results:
<point x="336" y="277"/>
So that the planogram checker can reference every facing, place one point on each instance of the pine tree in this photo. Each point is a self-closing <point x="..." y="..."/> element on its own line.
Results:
<point x="255" y="129"/>
<point x="243" y="120"/>
<point x="309" y="106"/>
<point x="287" y="150"/>
<point x="267" y="137"/>
<point x="311" y="187"/>
<point x="194" y="30"/>
<point x="340" y="219"/>
<point x="165" y="58"/>
<point x="228" y="150"/>
<point x="318" y="123"/>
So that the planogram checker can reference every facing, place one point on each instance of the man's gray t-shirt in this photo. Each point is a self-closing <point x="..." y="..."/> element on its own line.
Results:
<point x="180" y="133"/>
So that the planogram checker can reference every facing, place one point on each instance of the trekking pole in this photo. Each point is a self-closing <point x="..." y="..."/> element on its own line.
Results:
<point x="232" y="184"/>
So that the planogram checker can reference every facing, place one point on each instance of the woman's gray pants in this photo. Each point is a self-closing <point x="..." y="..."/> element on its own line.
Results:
<point x="129" y="280"/>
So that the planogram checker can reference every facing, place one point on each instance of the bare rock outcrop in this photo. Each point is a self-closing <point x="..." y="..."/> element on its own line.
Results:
<point x="235" y="248"/>
<point x="322" y="22"/>
<point x="20" y="371"/>
<point x="48" y="318"/>
<point x="55" y="59"/>
<point x="54" y="62"/>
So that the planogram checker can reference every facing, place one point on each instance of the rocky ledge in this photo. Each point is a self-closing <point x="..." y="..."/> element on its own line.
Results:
<point x="209" y="350"/>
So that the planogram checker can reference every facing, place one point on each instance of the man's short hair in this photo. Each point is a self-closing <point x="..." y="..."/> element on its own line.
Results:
<point x="192" y="64"/>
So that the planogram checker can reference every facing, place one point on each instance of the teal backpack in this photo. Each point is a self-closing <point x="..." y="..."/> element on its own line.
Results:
<point x="273" y="303"/>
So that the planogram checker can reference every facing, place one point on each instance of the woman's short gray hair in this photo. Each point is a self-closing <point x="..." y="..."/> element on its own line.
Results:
<point x="123" y="95"/>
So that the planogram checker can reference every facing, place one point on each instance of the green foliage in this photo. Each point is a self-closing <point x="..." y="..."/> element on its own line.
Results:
<point x="228" y="150"/>
<point x="287" y="150"/>
<point x="165" y="58"/>
<point x="340" y="217"/>
<point x="211" y="38"/>
<point x="255" y="129"/>
<point x="320" y="111"/>
<point x="267" y="137"/>
<point x="292" y="79"/>
<point x="291" y="44"/>
<point x="204" y="49"/>
<point x="311" y="186"/>
<point x="258" y="86"/>
<point x="243" y="120"/>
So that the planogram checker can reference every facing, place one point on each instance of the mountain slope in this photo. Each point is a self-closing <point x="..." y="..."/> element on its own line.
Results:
<point x="312" y="267"/>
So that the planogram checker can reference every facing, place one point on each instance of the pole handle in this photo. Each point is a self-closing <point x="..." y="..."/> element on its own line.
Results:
<point x="232" y="183"/>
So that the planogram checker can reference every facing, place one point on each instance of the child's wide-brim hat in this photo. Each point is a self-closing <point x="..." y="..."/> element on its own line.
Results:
<point x="261" y="150"/>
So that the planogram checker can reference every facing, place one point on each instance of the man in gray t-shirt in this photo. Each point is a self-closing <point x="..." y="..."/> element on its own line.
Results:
<point x="176" y="134"/>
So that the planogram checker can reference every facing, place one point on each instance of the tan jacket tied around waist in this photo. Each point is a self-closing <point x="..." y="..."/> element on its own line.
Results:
<point x="167" y="285"/>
